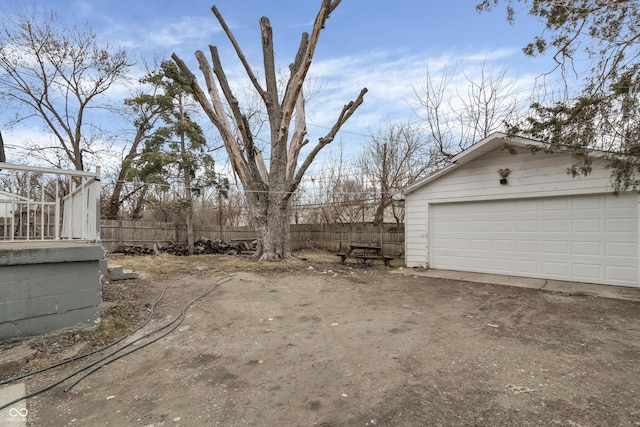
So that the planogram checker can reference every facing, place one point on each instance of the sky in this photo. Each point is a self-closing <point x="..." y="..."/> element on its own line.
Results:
<point x="383" y="46"/>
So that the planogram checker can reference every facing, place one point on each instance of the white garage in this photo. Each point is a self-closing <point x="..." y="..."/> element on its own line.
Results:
<point x="501" y="209"/>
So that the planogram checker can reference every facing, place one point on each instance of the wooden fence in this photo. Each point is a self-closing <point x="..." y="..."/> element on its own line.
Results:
<point x="334" y="237"/>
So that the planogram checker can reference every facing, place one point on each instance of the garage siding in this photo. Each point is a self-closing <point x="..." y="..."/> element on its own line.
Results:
<point x="530" y="176"/>
<point x="579" y="238"/>
<point x="415" y="233"/>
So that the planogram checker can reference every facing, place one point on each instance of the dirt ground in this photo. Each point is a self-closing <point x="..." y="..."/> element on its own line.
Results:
<point x="313" y="342"/>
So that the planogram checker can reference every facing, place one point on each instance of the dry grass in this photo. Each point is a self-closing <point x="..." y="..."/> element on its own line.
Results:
<point x="153" y="266"/>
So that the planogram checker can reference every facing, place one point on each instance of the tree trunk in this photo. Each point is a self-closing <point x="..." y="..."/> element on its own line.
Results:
<point x="273" y="229"/>
<point x="186" y="176"/>
<point x="136" y="212"/>
<point x="378" y="217"/>
<point x="114" y="201"/>
<point x="384" y="191"/>
<point x="188" y="198"/>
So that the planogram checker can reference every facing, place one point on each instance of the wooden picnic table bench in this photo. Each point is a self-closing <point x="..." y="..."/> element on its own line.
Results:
<point x="364" y="254"/>
<point x="248" y="241"/>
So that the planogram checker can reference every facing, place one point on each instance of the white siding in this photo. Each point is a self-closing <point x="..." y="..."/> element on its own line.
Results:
<point x="588" y="238"/>
<point x="530" y="176"/>
<point x="415" y="235"/>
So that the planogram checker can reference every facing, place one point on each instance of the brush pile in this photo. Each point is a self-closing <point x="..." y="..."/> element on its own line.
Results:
<point x="200" y="247"/>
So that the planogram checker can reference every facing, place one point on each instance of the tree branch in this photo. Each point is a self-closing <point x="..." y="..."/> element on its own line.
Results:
<point x="297" y="140"/>
<point x="241" y="121"/>
<point x="233" y="150"/>
<point x="294" y="86"/>
<point x="271" y="99"/>
<point x="347" y="112"/>
<point x="304" y="43"/>
<point x="241" y="56"/>
<point x="244" y="131"/>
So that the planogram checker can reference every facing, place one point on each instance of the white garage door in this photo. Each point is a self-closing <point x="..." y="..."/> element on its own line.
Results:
<point x="590" y="239"/>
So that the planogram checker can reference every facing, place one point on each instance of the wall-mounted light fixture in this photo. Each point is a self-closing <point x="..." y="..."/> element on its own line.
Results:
<point x="504" y="173"/>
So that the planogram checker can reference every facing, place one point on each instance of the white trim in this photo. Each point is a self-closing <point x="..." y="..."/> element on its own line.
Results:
<point x="480" y="148"/>
<point x="491" y="143"/>
<point x="10" y="166"/>
<point x="528" y="195"/>
<point x="427" y="240"/>
<point x="432" y="177"/>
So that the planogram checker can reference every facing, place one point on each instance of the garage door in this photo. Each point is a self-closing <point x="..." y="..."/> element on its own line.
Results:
<point x="590" y="239"/>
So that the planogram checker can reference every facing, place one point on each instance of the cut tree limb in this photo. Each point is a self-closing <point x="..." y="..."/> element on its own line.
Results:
<point x="239" y="53"/>
<point x="347" y="111"/>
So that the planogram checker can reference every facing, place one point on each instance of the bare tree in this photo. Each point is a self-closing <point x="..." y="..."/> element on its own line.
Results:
<point x="398" y="156"/>
<point x="55" y="74"/>
<point x="336" y="195"/>
<point x="235" y="208"/>
<point x="457" y="119"/>
<point x="267" y="191"/>
<point x="348" y="203"/>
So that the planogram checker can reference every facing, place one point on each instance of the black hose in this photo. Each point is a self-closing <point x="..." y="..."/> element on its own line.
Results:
<point x="178" y="319"/>
<point x="98" y="350"/>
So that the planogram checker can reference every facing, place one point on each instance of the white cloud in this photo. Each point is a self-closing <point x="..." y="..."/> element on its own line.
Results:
<point x="493" y="55"/>
<point x="390" y="78"/>
<point x="186" y="30"/>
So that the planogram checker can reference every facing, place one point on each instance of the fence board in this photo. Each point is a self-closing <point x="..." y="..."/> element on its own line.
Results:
<point x="334" y="237"/>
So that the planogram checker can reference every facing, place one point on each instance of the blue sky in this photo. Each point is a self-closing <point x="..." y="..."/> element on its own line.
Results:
<point x="384" y="46"/>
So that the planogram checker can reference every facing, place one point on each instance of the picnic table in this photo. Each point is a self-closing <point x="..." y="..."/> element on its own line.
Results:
<point x="364" y="254"/>
<point x="247" y="242"/>
<point x="244" y="239"/>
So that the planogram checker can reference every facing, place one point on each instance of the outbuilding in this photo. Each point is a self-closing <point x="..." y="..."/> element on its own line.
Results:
<point x="502" y="208"/>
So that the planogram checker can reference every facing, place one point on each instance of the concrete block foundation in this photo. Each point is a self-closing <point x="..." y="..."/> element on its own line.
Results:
<point x="48" y="286"/>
